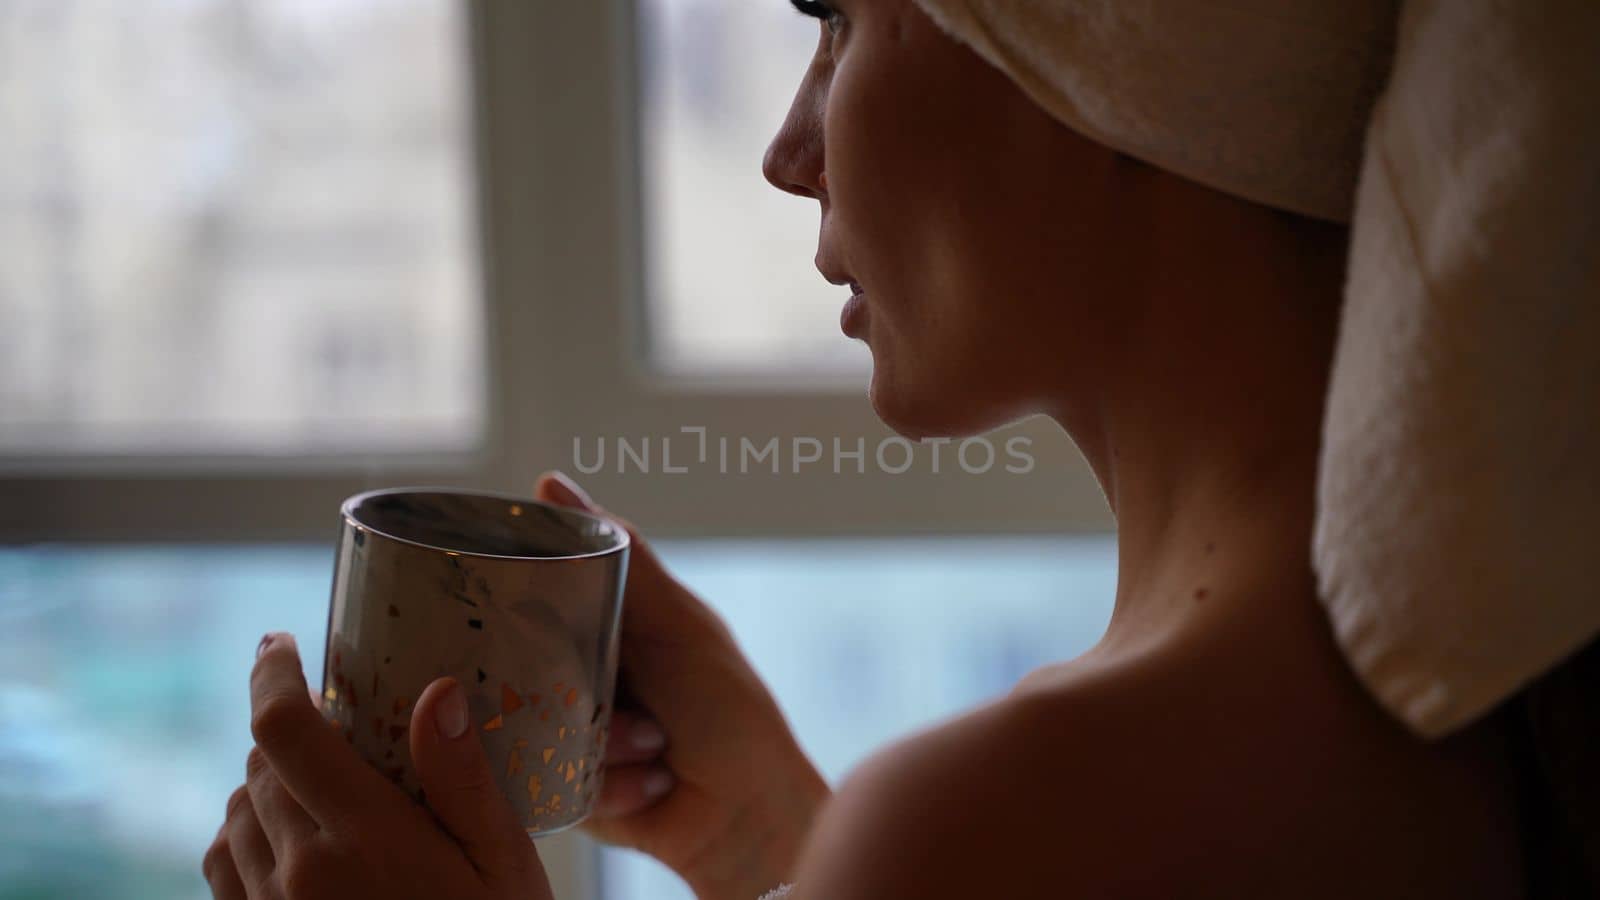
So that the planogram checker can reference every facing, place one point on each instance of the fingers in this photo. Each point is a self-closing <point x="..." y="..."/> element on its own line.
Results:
<point x="219" y="871"/>
<point x="283" y="819"/>
<point x="634" y="738"/>
<point x="558" y="488"/>
<point x="656" y="608"/>
<point x="317" y="767"/>
<point x="248" y="846"/>
<point x="461" y="788"/>
<point x="630" y="789"/>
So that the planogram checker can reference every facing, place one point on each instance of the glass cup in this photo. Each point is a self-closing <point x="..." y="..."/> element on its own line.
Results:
<point x="519" y="601"/>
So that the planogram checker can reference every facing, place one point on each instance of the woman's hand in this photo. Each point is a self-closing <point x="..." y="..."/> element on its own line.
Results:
<point x="314" y="821"/>
<point x="702" y="771"/>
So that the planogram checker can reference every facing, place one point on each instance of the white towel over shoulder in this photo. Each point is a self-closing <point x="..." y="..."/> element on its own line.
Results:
<point x="1458" y="540"/>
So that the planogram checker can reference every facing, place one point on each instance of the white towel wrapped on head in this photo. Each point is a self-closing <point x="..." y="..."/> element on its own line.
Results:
<point x="1264" y="99"/>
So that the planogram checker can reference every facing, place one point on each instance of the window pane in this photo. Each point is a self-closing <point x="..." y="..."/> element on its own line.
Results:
<point x="124" y="720"/>
<point x="236" y="225"/>
<point x="730" y="279"/>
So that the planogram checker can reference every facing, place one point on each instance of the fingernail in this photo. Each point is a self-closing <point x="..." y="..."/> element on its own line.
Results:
<point x="647" y="735"/>
<point x="657" y="783"/>
<point x="272" y="637"/>
<point x="572" y="488"/>
<point x="451" y="717"/>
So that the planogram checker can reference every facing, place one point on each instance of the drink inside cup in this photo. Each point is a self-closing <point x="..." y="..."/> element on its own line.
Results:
<point x="519" y="601"/>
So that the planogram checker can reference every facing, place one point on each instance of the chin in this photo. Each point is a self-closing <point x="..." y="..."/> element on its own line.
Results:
<point x="944" y="407"/>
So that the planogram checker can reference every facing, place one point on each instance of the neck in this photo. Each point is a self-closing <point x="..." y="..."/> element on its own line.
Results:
<point x="1205" y="437"/>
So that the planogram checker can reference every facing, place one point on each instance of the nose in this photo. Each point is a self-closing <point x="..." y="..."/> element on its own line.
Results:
<point x="794" y="161"/>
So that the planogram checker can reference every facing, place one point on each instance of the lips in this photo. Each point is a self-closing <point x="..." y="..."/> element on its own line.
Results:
<point x="853" y="318"/>
<point x="843" y="279"/>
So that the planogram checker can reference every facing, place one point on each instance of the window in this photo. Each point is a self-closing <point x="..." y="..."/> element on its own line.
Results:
<point x="347" y="328"/>
<point x="237" y="228"/>
<point x="732" y="288"/>
<point x="140" y="655"/>
<point x="258" y="255"/>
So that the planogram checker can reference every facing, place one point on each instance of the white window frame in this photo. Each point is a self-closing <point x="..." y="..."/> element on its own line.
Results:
<point x="559" y="161"/>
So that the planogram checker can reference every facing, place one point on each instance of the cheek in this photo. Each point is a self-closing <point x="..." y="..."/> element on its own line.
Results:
<point x="884" y="222"/>
<point x="885" y="162"/>
<point x="924" y="211"/>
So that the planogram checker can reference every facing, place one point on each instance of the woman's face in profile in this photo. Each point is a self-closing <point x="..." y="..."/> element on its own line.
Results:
<point x="980" y="233"/>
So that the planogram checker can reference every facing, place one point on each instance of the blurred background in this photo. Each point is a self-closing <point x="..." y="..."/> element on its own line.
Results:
<point x="258" y="255"/>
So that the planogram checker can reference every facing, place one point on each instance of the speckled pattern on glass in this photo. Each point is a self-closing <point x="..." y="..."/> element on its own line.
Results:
<point x="519" y="601"/>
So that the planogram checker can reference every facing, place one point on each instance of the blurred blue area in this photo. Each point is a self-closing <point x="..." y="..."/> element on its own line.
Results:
<point x="124" y="717"/>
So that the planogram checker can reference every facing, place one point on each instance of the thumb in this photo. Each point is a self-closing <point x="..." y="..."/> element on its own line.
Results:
<point x="460" y="787"/>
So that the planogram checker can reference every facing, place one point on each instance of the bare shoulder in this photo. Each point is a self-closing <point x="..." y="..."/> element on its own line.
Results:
<point x="1029" y="796"/>
<point x="1177" y="776"/>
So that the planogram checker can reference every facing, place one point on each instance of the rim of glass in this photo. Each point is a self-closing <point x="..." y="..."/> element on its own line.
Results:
<point x="346" y="512"/>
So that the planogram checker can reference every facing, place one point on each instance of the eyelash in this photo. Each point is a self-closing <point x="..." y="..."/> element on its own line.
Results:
<point x="818" y="9"/>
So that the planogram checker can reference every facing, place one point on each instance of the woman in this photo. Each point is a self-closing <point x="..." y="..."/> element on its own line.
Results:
<point x="1214" y="743"/>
